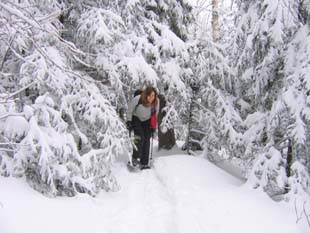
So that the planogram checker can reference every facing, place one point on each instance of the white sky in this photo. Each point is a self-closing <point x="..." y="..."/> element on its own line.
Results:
<point x="202" y="11"/>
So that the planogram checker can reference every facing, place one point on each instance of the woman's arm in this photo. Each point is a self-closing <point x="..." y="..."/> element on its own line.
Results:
<point x="132" y="107"/>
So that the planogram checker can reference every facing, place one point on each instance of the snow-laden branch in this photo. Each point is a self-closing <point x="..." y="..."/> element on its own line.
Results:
<point x="170" y="118"/>
<point x="21" y="90"/>
<point x="20" y="15"/>
<point x="7" y="150"/>
<point x="11" y="114"/>
<point x="12" y="144"/>
<point x="7" y="51"/>
<point x="50" y="30"/>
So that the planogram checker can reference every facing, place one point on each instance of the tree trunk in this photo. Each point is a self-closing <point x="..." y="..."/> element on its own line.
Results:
<point x="289" y="158"/>
<point x="215" y="20"/>
<point x="165" y="140"/>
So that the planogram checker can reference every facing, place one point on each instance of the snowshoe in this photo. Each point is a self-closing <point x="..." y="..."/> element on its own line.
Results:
<point x="143" y="167"/>
<point x="133" y="165"/>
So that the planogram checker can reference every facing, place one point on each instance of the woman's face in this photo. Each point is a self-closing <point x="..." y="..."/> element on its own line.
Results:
<point x="151" y="97"/>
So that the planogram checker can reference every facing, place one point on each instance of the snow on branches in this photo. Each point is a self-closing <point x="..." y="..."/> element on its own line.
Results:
<point x="56" y="127"/>
<point x="272" y="47"/>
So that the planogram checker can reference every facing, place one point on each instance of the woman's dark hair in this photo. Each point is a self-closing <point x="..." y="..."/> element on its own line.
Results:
<point x="147" y="92"/>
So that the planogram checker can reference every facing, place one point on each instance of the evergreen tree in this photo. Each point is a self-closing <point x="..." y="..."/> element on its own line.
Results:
<point x="64" y="138"/>
<point x="139" y="43"/>
<point x="67" y="66"/>
<point x="271" y="32"/>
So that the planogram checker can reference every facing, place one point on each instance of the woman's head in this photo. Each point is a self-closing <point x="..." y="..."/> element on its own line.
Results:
<point x="149" y="96"/>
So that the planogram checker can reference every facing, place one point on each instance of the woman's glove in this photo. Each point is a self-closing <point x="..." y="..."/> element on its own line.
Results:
<point x="129" y="125"/>
<point x="152" y="132"/>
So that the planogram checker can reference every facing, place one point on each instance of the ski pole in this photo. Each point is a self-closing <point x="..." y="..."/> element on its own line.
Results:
<point x="152" y="147"/>
<point x="130" y="156"/>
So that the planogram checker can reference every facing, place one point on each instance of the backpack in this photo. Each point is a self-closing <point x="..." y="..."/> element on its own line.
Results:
<point x="137" y="92"/>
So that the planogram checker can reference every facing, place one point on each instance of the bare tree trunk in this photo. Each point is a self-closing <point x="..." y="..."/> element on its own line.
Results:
<point x="289" y="158"/>
<point x="215" y="20"/>
<point x="165" y="140"/>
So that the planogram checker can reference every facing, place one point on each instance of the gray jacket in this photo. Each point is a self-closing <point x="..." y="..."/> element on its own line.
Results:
<point x="140" y="111"/>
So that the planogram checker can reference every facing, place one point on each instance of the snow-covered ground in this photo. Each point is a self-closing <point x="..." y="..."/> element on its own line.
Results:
<point x="180" y="194"/>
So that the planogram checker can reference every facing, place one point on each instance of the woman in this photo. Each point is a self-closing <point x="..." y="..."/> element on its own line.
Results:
<point x="139" y="114"/>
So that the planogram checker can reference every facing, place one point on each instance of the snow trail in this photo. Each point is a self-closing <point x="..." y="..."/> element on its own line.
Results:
<point x="207" y="199"/>
<point x="180" y="194"/>
<point x="146" y="205"/>
<point x="163" y="200"/>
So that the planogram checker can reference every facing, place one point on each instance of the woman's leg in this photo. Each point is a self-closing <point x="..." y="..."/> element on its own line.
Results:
<point x="139" y="138"/>
<point x="146" y="143"/>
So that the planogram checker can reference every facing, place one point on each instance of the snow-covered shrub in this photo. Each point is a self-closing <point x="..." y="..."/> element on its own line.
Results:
<point x="299" y="195"/>
<point x="268" y="173"/>
<point x="255" y="135"/>
<point x="299" y="182"/>
<point x="92" y="128"/>
<point x="50" y="159"/>
<point x="222" y="124"/>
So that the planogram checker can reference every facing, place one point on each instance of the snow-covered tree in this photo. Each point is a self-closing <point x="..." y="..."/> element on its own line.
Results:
<point x="218" y="122"/>
<point x="135" y="43"/>
<point x="272" y="49"/>
<point x="254" y="96"/>
<point x="67" y="138"/>
<point x="66" y="67"/>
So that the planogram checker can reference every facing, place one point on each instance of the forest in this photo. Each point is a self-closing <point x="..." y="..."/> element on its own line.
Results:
<point x="234" y="81"/>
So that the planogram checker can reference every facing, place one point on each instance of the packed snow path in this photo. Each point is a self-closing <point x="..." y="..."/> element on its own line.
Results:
<point x="195" y="196"/>
<point x="182" y="194"/>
